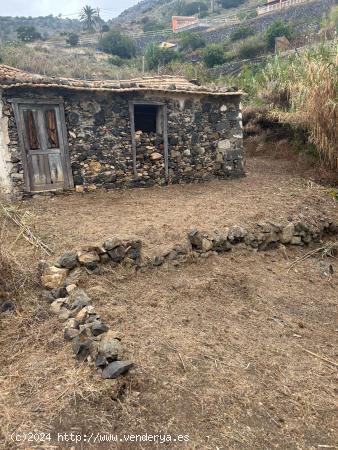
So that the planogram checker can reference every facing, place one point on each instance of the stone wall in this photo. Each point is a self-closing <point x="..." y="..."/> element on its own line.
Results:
<point x="5" y="158"/>
<point x="204" y="138"/>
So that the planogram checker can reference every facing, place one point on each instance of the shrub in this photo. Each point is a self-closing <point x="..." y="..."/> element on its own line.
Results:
<point x="251" y="47"/>
<point x="152" y="25"/>
<point x="277" y="29"/>
<point x="213" y="55"/>
<point x="28" y="34"/>
<point x="105" y="28"/>
<point x="115" y="43"/>
<point x="191" y="41"/>
<point x="241" y="33"/>
<point x="190" y="9"/>
<point x="231" y="3"/>
<point x="156" y="56"/>
<point x="115" y="60"/>
<point x="73" y="39"/>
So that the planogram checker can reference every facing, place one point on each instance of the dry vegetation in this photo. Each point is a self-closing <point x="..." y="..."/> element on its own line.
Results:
<point x="81" y="63"/>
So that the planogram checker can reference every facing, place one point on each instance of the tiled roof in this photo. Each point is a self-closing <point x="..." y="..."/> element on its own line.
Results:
<point x="12" y="77"/>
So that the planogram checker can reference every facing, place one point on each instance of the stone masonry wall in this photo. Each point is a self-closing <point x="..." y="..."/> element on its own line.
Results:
<point x="204" y="137"/>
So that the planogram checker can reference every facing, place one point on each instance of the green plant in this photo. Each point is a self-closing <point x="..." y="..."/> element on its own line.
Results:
<point x="152" y="25"/>
<point x="189" y="9"/>
<point x="115" y="43"/>
<point x="115" y="60"/>
<point x="213" y="55"/>
<point x="73" y="39"/>
<point x="89" y="17"/>
<point x="28" y="34"/>
<point x="275" y="30"/>
<point x="156" y="56"/>
<point x="226" y="4"/>
<point x="241" y="33"/>
<point x="191" y="41"/>
<point x="251" y="47"/>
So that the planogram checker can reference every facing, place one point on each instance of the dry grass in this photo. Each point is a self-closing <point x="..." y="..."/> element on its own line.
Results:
<point x="80" y="63"/>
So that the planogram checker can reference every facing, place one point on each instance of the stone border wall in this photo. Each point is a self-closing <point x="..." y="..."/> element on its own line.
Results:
<point x="90" y="335"/>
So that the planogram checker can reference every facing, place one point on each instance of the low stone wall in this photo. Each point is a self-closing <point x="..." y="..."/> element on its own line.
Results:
<point x="92" y="340"/>
<point x="205" y="140"/>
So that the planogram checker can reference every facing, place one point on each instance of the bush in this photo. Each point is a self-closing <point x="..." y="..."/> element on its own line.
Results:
<point x="28" y="34"/>
<point x="226" y="4"/>
<point x="251" y="47"/>
<point x="115" y="60"/>
<point x="191" y="41"/>
<point x="105" y="28"/>
<point x="190" y="9"/>
<point x="152" y="25"/>
<point x="73" y="39"/>
<point x="115" y="43"/>
<point x="241" y="33"/>
<point x="277" y="29"/>
<point x="213" y="55"/>
<point x="156" y="56"/>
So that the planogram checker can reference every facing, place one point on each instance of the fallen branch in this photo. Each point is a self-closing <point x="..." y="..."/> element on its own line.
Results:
<point x="323" y="358"/>
<point x="26" y="232"/>
<point x="325" y="249"/>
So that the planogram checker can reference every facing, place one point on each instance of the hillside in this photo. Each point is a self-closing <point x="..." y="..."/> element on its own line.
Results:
<point x="47" y="26"/>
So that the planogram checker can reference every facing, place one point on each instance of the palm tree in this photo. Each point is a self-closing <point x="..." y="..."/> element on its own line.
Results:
<point x="89" y="17"/>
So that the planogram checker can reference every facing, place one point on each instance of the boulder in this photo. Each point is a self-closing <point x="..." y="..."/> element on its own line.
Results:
<point x="54" y="277"/>
<point x="99" y="328"/>
<point x="220" y="243"/>
<point x="199" y="241"/>
<point x="85" y="257"/>
<point x="117" y="254"/>
<point x="109" y="346"/>
<point x="110" y="244"/>
<point x="68" y="260"/>
<point x="116" y="368"/>
<point x="287" y="233"/>
<point x="81" y="347"/>
<point x="155" y="156"/>
<point x="56" y="306"/>
<point x="236" y="234"/>
<point x="70" y="333"/>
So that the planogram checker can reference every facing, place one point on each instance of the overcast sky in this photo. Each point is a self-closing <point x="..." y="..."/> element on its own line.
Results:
<point x="69" y="8"/>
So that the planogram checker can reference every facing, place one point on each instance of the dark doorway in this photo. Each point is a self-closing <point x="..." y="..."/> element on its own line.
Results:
<point x="146" y="118"/>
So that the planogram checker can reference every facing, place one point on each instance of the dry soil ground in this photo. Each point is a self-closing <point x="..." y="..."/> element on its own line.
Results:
<point x="221" y="345"/>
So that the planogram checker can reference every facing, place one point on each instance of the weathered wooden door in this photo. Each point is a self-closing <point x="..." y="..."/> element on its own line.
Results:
<point x="43" y="139"/>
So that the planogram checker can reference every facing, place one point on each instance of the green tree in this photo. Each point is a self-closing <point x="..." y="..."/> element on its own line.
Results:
<point x="277" y="29"/>
<point x="89" y="17"/>
<point x="156" y="56"/>
<point x="73" y="39"/>
<point x="28" y="33"/>
<point x="191" y="41"/>
<point x="190" y="9"/>
<point x="231" y="3"/>
<point x="241" y="33"/>
<point x="115" y="43"/>
<point x="252" y="47"/>
<point x="179" y="7"/>
<point x="213" y="55"/>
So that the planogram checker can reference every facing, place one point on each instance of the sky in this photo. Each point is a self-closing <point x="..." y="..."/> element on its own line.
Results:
<point x="69" y="8"/>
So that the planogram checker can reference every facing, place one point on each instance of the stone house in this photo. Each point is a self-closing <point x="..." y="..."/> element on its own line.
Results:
<point x="57" y="133"/>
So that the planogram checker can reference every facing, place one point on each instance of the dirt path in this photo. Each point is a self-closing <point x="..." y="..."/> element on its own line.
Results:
<point x="162" y="216"/>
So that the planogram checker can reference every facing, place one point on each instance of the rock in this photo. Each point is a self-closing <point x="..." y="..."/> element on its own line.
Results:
<point x="99" y="328"/>
<point x="78" y="300"/>
<point x="85" y="257"/>
<point x="47" y="296"/>
<point x="74" y="276"/>
<point x="70" y="334"/>
<point x="92" y="268"/>
<point x="109" y="346"/>
<point x="7" y="306"/>
<point x="59" y="293"/>
<point x="287" y="233"/>
<point x="155" y="156"/>
<point x="101" y="361"/>
<point x="220" y="243"/>
<point x="82" y="315"/>
<point x="54" y="277"/>
<point x="56" y="306"/>
<point x="110" y="244"/>
<point x="81" y="347"/>
<point x="116" y="368"/>
<point x="296" y="240"/>
<point x="71" y="288"/>
<point x="42" y="266"/>
<point x="236" y="234"/>
<point x="199" y="241"/>
<point x="158" y="261"/>
<point x="72" y="323"/>
<point x="64" y="314"/>
<point x="117" y="253"/>
<point x="104" y="259"/>
<point x="68" y="260"/>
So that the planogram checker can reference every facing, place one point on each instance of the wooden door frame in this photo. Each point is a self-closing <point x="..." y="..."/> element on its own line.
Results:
<point x="20" y="125"/>
<point x="164" y="111"/>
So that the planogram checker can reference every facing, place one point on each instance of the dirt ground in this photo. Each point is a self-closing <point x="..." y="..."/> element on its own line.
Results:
<point x="231" y="352"/>
<point x="161" y="216"/>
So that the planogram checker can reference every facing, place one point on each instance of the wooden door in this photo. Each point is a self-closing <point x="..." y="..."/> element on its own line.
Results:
<point x="45" y="151"/>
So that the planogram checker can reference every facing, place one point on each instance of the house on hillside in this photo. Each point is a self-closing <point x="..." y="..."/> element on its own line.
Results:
<point x="275" y="5"/>
<point x="61" y="134"/>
